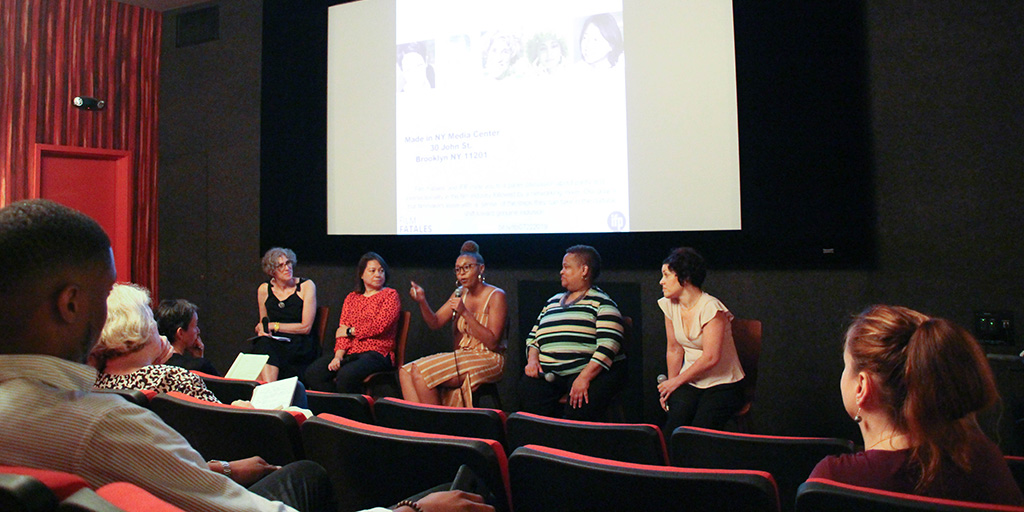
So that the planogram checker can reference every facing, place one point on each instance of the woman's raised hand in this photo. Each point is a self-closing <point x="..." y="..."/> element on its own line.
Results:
<point x="416" y="292"/>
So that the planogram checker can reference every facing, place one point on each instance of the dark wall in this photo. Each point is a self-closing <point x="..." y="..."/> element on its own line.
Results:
<point x="948" y="136"/>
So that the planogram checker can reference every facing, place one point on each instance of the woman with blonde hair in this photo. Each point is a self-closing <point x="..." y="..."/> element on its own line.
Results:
<point x="914" y="383"/>
<point x="479" y="310"/>
<point x="130" y="352"/>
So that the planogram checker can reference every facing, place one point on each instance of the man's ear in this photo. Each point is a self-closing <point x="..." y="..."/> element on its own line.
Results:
<point x="68" y="306"/>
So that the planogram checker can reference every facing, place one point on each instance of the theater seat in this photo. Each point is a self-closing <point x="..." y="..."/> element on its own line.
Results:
<point x="228" y="390"/>
<point x="347" y="405"/>
<point x="226" y="432"/>
<point x="139" y="397"/>
<point x="32" y="489"/>
<point x="549" y="480"/>
<point x="824" y="495"/>
<point x="626" y="442"/>
<point x="439" y="419"/>
<point x="370" y="465"/>
<point x="788" y="459"/>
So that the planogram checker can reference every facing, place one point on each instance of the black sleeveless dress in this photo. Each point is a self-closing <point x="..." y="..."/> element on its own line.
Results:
<point x="291" y="358"/>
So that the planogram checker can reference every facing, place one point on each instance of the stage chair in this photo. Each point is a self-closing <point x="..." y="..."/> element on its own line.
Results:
<point x="320" y="326"/>
<point x="824" y="495"/>
<point x="370" y="465"/>
<point x="747" y="335"/>
<point x="228" y="390"/>
<point x="788" y="459"/>
<point x="549" y="480"/>
<point x="139" y="397"/>
<point x="347" y="405"/>
<point x="439" y="419"/>
<point x="226" y="432"/>
<point x="627" y="442"/>
<point x="389" y="379"/>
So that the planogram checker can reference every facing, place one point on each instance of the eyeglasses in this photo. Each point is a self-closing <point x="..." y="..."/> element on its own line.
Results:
<point x="288" y="263"/>
<point x="465" y="268"/>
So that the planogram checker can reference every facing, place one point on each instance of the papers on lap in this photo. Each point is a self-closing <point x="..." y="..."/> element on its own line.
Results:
<point x="247" y="366"/>
<point x="274" y="395"/>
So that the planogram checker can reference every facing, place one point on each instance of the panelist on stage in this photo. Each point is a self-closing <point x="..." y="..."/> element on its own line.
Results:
<point x="576" y="345"/>
<point x="287" y="306"/>
<point x="479" y="310"/>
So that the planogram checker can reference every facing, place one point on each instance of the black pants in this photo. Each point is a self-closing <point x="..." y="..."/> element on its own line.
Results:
<point x="708" y="408"/>
<point x="541" y="397"/>
<point x="349" y="377"/>
<point x="302" y="485"/>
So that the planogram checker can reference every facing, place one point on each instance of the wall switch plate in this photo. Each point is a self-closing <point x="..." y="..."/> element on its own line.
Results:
<point x="994" y="327"/>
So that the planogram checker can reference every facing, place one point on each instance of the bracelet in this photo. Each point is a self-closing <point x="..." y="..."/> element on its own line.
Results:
<point x="277" y="327"/>
<point x="225" y="467"/>
<point x="409" y="503"/>
<point x="348" y="332"/>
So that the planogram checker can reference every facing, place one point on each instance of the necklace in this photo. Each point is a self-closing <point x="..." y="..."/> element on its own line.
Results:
<point x="890" y="438"/>
<point x="566" y="301"/>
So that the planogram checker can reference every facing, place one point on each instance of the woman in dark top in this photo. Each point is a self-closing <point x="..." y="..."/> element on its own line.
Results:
<point x="288" y="303"/>
<point x="913" y="384"/>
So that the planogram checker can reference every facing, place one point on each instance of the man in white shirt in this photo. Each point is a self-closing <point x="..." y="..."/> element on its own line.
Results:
<point x="56" y="270"/>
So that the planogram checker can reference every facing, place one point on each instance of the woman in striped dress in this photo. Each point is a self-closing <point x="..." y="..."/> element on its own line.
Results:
<point x="479" y="310"/>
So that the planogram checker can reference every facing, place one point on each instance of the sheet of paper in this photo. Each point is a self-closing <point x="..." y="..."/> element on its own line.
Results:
<point x="274" y="395"/>
<point x="247" y="366"/>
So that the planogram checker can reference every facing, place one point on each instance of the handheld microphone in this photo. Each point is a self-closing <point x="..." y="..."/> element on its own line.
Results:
<point x="458" y="291"/>
<point x="550" y="377"/>
<point x="266" y="325"/>
<point x="662" y="378"/>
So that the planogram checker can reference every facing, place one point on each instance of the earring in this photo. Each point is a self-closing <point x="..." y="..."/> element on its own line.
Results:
<point x="857" y="418"/>
<point x="480" y="277"/>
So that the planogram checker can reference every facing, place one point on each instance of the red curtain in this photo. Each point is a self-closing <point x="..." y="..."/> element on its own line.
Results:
<point x="54" y="50"/>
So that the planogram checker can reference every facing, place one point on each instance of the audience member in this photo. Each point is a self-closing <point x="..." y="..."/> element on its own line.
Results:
<point x="365" y="339"/>
<point x="479" y="310"/>
<point x="575" y="346"/>
<point x="130" y="352"/>
<point x="704" y="370"/>
<point x="178" y="321"/>
<point x="914" y="384"/>
<point x="59" y="271"/>
<point x="287" y="306"/>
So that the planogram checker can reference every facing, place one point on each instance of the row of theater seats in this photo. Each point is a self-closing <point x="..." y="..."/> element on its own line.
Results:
<point x="37" y="490"/>
<point x="383" y="451"/>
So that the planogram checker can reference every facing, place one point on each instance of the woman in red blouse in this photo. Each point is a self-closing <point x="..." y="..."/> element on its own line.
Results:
<point x="365" y="340"/>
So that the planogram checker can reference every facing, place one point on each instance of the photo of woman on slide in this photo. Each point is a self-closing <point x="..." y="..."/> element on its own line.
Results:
<point x="601" y="42"/>
<point x="415" y="71"/>
<point x="547" y="52"/>
<point x="501" y="56"/>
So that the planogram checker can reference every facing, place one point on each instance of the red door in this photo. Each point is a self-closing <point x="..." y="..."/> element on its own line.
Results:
<point x="96" y="182"/>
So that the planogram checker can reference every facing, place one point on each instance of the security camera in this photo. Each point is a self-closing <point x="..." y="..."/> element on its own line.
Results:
<point x="87" y="103"/>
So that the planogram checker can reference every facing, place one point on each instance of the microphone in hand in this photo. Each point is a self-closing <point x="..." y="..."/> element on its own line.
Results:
<point x="550" y="377"/>
<point x="266" y="325"/>
<point x="662" y="378"/>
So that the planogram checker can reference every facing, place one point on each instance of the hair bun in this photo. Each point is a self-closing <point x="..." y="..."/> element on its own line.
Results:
<point x="470" y="246"/>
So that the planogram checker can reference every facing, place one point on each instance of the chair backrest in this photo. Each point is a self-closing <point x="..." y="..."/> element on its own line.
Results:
<point x="32" y="489"/>
<point x="628" y="442"/>
<point x="225" y="432"/>
<point x="401" y="337"/>
<point x="228" y="390"/>
<point x="439" y="419"/>
<point x="788" y="459"/>
<point x="347" y="405"/>
<point x="821" y="495"/>
<point x="547" y="479"/>
<point x="135" y="396"/>
<point x="747" y="336"/>
<point x="1016" y="465"/>
<point x="370" y="465"/>
<point x="320" y="329"/>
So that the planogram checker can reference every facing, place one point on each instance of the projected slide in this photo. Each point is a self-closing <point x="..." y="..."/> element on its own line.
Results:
<point x="508" y="123"/>
<point x="529" y="116"/>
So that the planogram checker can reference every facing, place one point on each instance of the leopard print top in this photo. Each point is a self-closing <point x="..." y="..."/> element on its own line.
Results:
<point x="160" y="378"/>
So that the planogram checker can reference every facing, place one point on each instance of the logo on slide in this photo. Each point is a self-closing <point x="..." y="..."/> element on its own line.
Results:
<point x="616" y="221"/>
